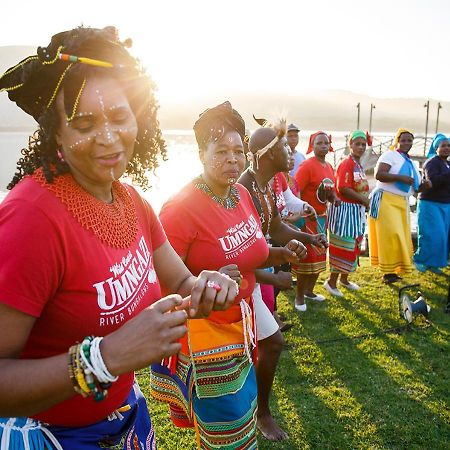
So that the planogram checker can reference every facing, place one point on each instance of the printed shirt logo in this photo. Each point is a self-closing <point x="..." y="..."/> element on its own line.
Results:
<point x="119" y="295"/>
<point x="280" y="201"/>
<point x="240" y="237"/>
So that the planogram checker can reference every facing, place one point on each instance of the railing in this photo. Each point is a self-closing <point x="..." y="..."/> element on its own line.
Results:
<point x="380" y="144"/>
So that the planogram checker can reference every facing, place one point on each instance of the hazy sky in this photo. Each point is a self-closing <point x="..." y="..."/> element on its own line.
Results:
<point x="387" y="48"/>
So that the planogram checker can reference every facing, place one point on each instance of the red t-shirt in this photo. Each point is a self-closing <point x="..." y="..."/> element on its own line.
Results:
<point x="310" y="178"/>
<point x="351" y="174"/>
<point x="73" y="284"/>
<point x="279" y="185"/>
<point x="208" y="236"/>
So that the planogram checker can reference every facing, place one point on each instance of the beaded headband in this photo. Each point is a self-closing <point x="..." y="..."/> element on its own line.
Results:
<point x="35" y="82"/>
<point x="279" y="128"/>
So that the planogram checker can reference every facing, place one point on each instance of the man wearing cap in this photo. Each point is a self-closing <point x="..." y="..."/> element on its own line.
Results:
<point x="292" y="139"/>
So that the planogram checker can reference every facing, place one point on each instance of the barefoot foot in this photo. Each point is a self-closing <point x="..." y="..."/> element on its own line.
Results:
<point x="269" y="428"/>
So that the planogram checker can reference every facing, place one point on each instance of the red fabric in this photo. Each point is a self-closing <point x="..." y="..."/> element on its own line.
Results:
<point x="268" y="296"/>
<point x="208" y="236"/>
<point x="351" y="175"/>
<point x="311" y="141"/>
<point x="309" y="176"/>
<point x="279" y="185"/>
<point x="60" y="273"/>
<point x="315" y="255"/>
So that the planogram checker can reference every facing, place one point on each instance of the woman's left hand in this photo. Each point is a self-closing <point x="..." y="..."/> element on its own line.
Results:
<point x="308" y="211"/>
<point x="232" y="271"/>
<point x="319" y="240"/>
<point x="294" y="251"/>
<point x="212" y="291"/>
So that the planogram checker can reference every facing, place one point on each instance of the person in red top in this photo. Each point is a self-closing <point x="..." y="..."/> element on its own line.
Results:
<point x="346" y="223"/>
<point x="315" y="179"/>
<point x="213" y="224"/>
<point x="83" y="256"/>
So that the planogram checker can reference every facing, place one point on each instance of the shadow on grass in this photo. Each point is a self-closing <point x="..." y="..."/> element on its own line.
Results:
<point x="361" y="369"/>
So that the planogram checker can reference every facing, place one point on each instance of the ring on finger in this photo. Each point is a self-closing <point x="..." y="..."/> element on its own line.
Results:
<point x="214" y="285"/>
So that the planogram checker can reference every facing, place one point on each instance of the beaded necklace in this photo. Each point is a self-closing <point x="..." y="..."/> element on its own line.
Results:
<point x="228" y="203"/>
<point x="266" y="202"/>
<point x="115" y="224"/>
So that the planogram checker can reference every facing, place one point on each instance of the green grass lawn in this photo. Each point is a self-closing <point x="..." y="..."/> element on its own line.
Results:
<point x="344" y="382"/>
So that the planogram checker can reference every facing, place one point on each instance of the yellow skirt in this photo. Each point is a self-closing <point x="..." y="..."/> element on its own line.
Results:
<point x="390" y="243"/>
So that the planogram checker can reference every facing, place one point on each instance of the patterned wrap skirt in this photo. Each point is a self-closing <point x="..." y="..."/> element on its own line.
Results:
<point x="316" y="260"/>
<point x="346" y="225"/>
<point x="127" y="428"/>
<point x="211" y="384"/>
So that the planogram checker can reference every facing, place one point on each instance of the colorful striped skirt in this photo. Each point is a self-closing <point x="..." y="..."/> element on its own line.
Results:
<point x="211" y="386"/>
<point x="316" y="260"/>
<point x="128" y="428"/>
<point x="390" y="243"/>
<point x="346" y="224"/>
<point x="433" y="234"/>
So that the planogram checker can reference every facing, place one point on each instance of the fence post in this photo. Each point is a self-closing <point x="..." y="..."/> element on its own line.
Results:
<point x="427" y="105"/>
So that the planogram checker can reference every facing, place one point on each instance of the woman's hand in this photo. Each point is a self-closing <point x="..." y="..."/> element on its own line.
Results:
<point x="232" y="271"/>
<point x="426" y="184"/>
<point x="294" y="251"/>
<point x="308" y="211"/>
<point x="283" y="280"/>
<point x="366" y="202"/>
<point x="406" y="179"/>
<point x="337" y="201"/>
<point x="148" y="338"/>
<point x="319" y="240"/>
<point x="212" y="291"/>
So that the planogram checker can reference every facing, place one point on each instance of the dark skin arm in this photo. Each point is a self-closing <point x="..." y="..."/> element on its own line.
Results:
<point x="382" y="174"/>
<point x="351" y="194"/>
<point x="282" y="233"/>
<point x="281" y="280"/>
<point x="148" y="337"/>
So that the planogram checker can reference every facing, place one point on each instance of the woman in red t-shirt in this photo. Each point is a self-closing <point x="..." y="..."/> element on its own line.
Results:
<point x="83" y="256"/>
<point x="212" y="223"/>
<point x="347" y="222"/>
<point x="315" y="179"/>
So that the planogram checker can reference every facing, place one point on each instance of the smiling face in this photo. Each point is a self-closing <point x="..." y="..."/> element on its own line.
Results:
<point x="358" y="147"/>
<point x="98" y="142"/>
<point x="405" y="142"/>
<point x="443" y="150"/>
<point x="223" y="162"/>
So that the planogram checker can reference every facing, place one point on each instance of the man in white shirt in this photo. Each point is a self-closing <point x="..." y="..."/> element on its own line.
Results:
<point x="292" y="138"/>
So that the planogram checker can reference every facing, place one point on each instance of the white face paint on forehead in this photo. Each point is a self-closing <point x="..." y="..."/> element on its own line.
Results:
<point x="110" y="131"/>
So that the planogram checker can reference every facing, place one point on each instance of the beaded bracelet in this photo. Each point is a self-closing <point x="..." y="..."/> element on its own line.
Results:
<point x="73" y="371"/>
<point x="88" y="371"/>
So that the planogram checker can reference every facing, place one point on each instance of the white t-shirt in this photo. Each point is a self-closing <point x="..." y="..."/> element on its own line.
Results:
<point x="396" y="161"/>
<point x="299" y="157"/>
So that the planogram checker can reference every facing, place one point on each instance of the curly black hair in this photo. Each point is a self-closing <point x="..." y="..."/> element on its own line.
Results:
<point x="37" y="94"/>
